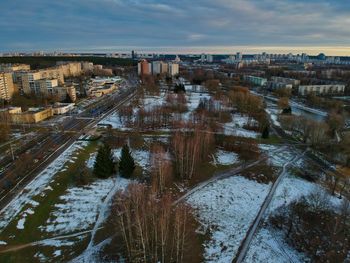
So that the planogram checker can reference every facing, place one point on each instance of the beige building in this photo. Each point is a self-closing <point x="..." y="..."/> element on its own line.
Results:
<point x="102" y="90"/>
<point x="6" y="86"/>
<point x="62" y="108"/>
<point x="70" y="69"/>
<point x="28" y="81"/>
<point x="173" y="69"/>
<point x="33" y="115"/>
<point x="163" y="68"/>
<point x="61" y="92"/>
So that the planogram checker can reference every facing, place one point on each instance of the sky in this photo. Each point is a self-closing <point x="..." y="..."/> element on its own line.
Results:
<point x="178" y="26"/>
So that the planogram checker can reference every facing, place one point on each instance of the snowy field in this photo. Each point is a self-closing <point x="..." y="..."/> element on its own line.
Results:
<point x="268" y="244"/>
<point x="38" y="186"/>
<point x="79" y="206"/>
<point x="226" y="209"/>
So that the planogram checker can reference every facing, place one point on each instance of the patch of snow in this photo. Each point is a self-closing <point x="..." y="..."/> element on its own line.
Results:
<point x="231" y="130"/>
<point x="56" y="243"/>
<point x="57" y="253"/>
<point x="225" y="158"/>
<point x="91" y="161"/>
<point x="227" y="208"/>
<point x="274" y="116"/>
<point x="20" y="224"/>
<point x="3" y="243"/>
<point x="41" y="257"/>
<point x="29" y="211"/>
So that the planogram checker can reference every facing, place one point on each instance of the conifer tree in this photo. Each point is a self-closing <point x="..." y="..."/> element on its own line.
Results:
<point x="266" y="132"/>
<point x="126" y="163"/>
<point x="104" y="164"/>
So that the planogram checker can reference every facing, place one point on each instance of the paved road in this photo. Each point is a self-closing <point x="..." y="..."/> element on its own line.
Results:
<point x="252" y="230"/>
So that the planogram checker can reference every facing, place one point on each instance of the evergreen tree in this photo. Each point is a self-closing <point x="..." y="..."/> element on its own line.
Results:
<point x="104" y="164"/>
<point x="266" y="132"/>
<point x="126" y="163"/>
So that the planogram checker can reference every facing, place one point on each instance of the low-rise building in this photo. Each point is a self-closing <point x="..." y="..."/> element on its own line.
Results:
<point x="102" y="90"/>
<point x="293" y="82"/>
<point x="328" y="89"/>
<point x="255" y="80"/>
<point x="62" y="108"/>
<point x="33" y="115"/>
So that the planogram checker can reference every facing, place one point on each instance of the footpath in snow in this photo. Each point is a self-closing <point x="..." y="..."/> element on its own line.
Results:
<point x="226" y="210"/>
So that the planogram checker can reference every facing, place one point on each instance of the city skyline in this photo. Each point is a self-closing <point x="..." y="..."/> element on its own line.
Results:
<point x="177" y="27"/>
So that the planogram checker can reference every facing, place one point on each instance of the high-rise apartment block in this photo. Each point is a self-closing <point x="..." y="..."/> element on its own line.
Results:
<point x="157" y="67"/>
<point x="6" y="86"/>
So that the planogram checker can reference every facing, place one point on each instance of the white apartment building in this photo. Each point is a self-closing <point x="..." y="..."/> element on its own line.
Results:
<point x="156" y="67"/>
<point x="321" y="89"/>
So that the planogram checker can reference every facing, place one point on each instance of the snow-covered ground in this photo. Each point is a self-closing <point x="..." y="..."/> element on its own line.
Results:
<point x="235" y="127"/>
<point x="274" y="116"/>
<point x="225" y="158"/>
<point x="193" y="100"/>
<point x="34" y="188"/>
<point x="268" y="244"/>
<point x="227" y="208"/>
<point x="149" y="102"/>
<point x="79" y="206"/>
<point x="276" y="157"/>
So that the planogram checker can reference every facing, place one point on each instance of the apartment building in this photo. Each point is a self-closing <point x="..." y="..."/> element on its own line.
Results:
<point x="6" y="86"/>
<point x="288" y="81"/>
<point x="143" y="68"/>
<point x="70" y="69"/>
<point x="255" y="80"/>
<point x="329" y="89"/>
<point x="14" y="67"/>
<point x="173" y="69"/>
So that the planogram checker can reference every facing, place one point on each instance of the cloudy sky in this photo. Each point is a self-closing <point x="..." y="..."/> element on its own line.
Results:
<point x="176" y="26"/>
